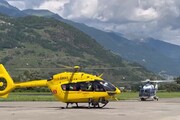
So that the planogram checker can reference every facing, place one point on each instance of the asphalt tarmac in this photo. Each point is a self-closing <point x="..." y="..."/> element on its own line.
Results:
<point x="164" y="109"/>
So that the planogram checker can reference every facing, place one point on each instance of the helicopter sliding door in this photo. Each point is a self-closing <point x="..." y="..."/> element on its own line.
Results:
<point x="79" y="91"/>
<point x="83" y="86"/>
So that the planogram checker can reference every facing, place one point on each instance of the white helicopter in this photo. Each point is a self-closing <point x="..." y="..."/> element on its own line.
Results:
<point x="149" y="89"/>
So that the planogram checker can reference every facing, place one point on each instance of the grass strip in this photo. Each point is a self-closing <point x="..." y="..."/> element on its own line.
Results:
<point x="47" y="96"/>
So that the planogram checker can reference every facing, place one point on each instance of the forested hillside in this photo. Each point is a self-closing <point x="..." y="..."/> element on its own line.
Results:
<point x="35" y="47"/>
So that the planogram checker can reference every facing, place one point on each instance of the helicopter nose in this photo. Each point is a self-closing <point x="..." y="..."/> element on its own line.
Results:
<point x="112" y="93"/>
<point x="117" y="91"/>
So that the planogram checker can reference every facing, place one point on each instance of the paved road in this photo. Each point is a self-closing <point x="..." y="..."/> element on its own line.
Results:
<point x="165" y="109"/>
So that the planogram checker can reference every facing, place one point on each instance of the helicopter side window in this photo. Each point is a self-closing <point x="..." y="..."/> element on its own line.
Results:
<point x="86" y="86"/>
<point x="147" y="91"/>
<point x="70" y="87"/>
<point x="98" y="87"/>
<point x="63" y="87"/>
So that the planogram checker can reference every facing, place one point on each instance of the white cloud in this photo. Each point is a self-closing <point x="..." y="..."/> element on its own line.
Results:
<point x="18" y="4"/>
<point x="56" y="6"/>
<point x="154" y="18"/>
<point x="169" y="35"/>
<point x="80" y="10"/>
<point x="144" y="15"/>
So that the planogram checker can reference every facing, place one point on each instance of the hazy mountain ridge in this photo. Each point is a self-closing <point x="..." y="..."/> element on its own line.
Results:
<point x="145" y="53"/>
<point x="38" y="42"/>
<point x="7" y="9"/>
<point x="154" y="54"/>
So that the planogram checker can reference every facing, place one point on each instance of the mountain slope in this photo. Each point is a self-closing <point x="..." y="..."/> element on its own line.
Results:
<point x="7" y="9"/>
<point x="41" y="13"/>
<point x="39" y="42"/>
<point x="155" y="55"/>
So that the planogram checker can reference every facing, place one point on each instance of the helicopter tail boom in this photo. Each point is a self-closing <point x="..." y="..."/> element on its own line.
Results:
<point x="6" y="82"/>
<point x="33" y="83"/>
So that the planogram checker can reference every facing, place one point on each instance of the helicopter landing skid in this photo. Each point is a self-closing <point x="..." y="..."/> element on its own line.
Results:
<point x="102" y="102"/>
<point x="156" y="98"/>
<point x="152" y="98"/>
<point x="97" y="104"/>
<point x="67" y="104"/>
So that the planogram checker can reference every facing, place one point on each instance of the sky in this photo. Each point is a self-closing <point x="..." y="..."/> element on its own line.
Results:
<point x="138" y="18"/>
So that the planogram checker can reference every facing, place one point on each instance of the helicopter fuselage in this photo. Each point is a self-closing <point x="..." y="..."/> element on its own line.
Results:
<point x="148" y="91"/>
<point x="80" y="87"/>
<point x="68" y="87"/>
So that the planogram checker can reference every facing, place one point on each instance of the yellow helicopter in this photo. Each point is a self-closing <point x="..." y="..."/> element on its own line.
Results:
<point x="68" y="87"/>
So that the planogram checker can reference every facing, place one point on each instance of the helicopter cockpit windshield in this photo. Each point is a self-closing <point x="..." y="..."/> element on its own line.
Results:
<point x="107" y="86"/>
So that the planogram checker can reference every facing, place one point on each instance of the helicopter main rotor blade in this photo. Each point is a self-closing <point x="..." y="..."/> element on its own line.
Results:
<point x="68" y="67"/>
<point x="109" y="68"/>
<point x="157" y="81"/>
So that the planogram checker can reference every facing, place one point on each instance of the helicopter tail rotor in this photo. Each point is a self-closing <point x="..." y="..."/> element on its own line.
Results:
<point x="6" y="82"/>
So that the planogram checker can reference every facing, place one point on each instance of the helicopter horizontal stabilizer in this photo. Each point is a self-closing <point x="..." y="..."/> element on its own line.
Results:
<point x="6" y="82"/>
